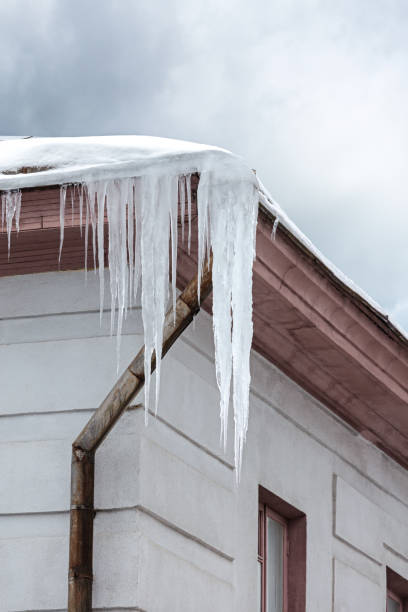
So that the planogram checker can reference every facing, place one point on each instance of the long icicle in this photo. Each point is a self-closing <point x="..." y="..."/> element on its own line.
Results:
<point x="10" y="210"/>
<point x="142" y="215"/>
<point x="63" y="195"/>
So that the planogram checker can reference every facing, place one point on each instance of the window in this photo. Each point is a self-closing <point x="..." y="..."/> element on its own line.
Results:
<point x="272" y="558"/>
<point x="281" y="555"/>
<point x="397" y="592"/>
<point x="394" y="603"/>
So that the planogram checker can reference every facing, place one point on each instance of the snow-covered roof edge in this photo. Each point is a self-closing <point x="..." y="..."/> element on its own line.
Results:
<point x="40" y="162"/>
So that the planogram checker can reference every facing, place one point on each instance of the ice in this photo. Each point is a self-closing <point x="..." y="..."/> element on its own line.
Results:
<point x="182" y="192"/>
<point x="138" y="186"/>
<point x="189" y="214"/>
<point x="142" y="216"/>
<point x="275" y="228"/>
<point x="10" y="211"/>
<point x="233" y="215"/>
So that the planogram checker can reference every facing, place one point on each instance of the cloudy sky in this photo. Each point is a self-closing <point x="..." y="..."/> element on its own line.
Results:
<point x="314" y="94"/>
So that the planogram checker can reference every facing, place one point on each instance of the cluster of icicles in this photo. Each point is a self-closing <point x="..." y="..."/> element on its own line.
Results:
<point x="142" y="218"/>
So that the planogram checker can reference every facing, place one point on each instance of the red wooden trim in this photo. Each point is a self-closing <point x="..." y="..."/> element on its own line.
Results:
<point x="398" y="600"/>
<point x="276" y="517"/>
<point x="397" y="589"/>
<point x="261" y="539"/>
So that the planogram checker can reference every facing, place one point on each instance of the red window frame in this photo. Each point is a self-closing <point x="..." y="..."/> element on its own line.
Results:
<point x="394" y="597"/>
<point x="294" y="570"/>
<point x="397" y="590"/>
<point x="264" y="513"/>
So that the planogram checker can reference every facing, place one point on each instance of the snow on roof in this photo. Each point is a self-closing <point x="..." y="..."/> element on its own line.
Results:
<point x="31" y="162"/>
<point x="37" y="162"/>
<point x="14" y="137"/>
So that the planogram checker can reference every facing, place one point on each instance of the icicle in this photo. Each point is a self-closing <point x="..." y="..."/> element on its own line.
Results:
<point x="130" y="239"/>
<point x="72" y="203"/>
<point x="274" y="228"/>
<point x="173" y="195"/>
<point x="63" y="195"/>
<point x="92" y="216"/>
<point x="222" y="245"/>
<point x="137" y="247"/>
<point x="142" y="216"/>
<point x="81" y="201"/>
<point x="10" y="210"/>
<point x="155" y="208"/>
<point x="182" y="197"/>
<point x="202" y="209"/>
<point x="17" y="200"/>
<point x="123" y="271"/>
<point x="112" y="204"/>
<point x="188" y="185"/>
<point x="86" y="231"/>
<point x="241" y="294"/>
<point x="100" y="197"/>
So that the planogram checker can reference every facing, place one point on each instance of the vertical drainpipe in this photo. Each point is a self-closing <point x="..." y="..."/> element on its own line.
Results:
<point x="81" y="530"/>
<point x="104" y="418"/>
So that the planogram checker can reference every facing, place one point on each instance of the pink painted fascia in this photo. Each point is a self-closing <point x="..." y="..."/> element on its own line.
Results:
<point x="330" y="341"/>
<point x="314" y="328"/>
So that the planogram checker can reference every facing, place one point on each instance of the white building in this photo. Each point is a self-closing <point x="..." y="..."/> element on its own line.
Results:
<point x="320" y="517"/>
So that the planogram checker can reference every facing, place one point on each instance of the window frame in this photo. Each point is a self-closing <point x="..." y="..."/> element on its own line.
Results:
<point x="296" y="539"/>
<point x="396" y="598"/>
<point x="264" y="513"/>
<point x="397" y="589"/>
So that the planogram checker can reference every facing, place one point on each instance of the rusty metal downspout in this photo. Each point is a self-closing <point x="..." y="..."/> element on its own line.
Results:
<point x="104" y="418"/>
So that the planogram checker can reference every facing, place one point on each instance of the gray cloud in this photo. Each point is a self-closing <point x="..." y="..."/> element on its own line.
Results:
<point x="313" y="94"/>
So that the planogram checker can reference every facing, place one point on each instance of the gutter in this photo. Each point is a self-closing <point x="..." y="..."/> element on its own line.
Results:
<point x="82" y="511"/>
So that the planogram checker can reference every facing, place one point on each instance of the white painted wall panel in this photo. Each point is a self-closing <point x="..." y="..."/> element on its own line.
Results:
<point x="51" y="292"/>
<point x="354" y="592"/>
<point x="36" y="476"/>
<point x="33" y="573"/>
<point x="179" y="574"/>
<point x="174" y="488"/>
<point x="61" y="375"/>
<point x="358" y="521"/>
<point x="178" y="534"/>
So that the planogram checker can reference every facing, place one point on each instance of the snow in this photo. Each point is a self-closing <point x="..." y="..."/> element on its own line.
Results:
<point x="13" y="137"/>
<point x="76" y="160"/>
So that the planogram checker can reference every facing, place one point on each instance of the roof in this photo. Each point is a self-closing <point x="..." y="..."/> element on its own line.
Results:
<point x="309" y="319"/>
<point x="33" y="162"/>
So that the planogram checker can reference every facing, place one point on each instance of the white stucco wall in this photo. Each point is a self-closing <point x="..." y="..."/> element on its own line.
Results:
<point x="172" y="531"/>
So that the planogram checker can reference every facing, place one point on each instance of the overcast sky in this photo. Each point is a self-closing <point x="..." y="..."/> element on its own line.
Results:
<point x="313" y="94"/>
